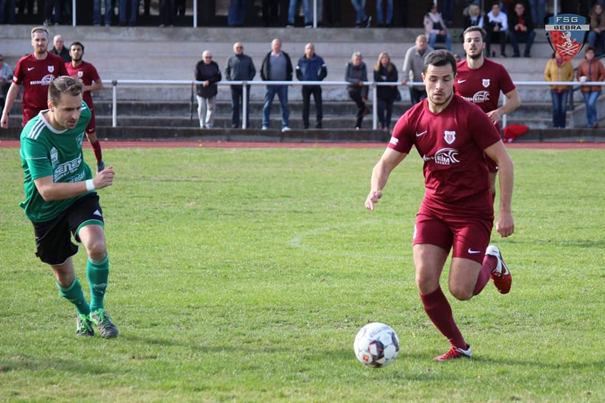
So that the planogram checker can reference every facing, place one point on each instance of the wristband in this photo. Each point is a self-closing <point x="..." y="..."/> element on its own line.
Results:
<point x="90" y="185"/>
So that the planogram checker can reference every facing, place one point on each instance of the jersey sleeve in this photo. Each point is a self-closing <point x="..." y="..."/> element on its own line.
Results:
<point x="401" y="140"/>
<point x="36" y="157"/>
<point x="18" y="76"/>
<point x="481" y="128"/>
<point x="506" y="83"/>
<point x="62" y="69"/>
<point x="95" y="74"/>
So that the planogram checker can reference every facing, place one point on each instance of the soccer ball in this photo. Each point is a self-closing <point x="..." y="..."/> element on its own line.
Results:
<point x="376" y="345"/>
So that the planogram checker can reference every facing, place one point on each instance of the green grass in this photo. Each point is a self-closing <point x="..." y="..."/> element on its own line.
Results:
<point x="244" y="274"/>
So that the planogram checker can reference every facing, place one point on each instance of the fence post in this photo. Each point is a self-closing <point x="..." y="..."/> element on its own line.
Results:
<point x="114" y="112"/>
<point x="374" y="106"/>
<point x="73" y="13"/>
<point x="314" y="15"/>
<point x="244" y="104"/>
<point x="194" y="13"/>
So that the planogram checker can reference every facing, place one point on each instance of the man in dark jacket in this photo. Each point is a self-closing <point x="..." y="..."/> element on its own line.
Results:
<point x="311" y="67"/>
<point x="356" y="73"/>
<point x="521" y="29"/>
<point x="207" y="71"/>
<point x="276" y="67"/>
<point x="239" y="68"/>
<point x="59" y="49"/>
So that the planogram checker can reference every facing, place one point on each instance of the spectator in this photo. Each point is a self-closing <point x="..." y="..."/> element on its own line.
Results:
<point x="167" y="13"/>
<point x="96" y="13"/>
<point x="35" y="72"/>
<point x="558" y="69"/>
<point x="292" y="13"/>
<point x="385" y="71"/>
<point x="382" y="22"/>
<point x="6" y="76"/>
<point x="7" y="6"/>
<point x="87" y="74"/>
<point x="59" y="49"/>
<point x="413" y="66"/>
<point x="133" y="12"/>
<point x="435" y="28"/>
<point x="311" y="67"/>
<point x="362" y="19"/>
<point x="48" y="11"/>
<point x="496" y="27"/>
<point x="474" y="17"/>
<point x="331" y="13"/>
<point x="207" y="71"/>
<point x="448" y="11"/>
<point x="276" y="67"/>
<point x="591" y="69"/>
<point x="237" y="13"/>
<point x="356" y="73"/>
<point x="240" y="67"/>
<point x="522" y="30"/>
<point x="596" y="36"/>
<point x="538" y="11"/>
<point x="270" y="12"/>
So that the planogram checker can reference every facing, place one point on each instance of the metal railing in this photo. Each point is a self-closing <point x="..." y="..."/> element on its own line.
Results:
<point x="373" y="86"/>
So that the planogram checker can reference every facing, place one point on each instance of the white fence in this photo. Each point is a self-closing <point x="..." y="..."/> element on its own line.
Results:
<point x="373" y="86"/>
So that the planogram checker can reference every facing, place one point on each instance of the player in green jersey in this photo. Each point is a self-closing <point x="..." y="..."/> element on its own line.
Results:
<point x="61" y="201"/>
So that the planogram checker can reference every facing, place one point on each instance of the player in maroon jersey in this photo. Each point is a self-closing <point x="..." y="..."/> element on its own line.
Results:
<point x="35" y="72"/>
<point x="87" y="74"/>
<point x="451" y="136"/>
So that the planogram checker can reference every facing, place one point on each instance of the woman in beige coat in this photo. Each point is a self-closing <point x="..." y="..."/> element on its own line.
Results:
<point x="558" y="69"/>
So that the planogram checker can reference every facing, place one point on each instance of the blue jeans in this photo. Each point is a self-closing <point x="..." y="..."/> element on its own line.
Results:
<point x="134" y="11"/>
<point x="516" y="37"/>
<point x="593" y="37"/>
<point x="292" y="12"/>
<point x="282" y="94"/>
<point x="96" y="12"/>
<point x="538" y="11"/>
<point x="559" y="108"/>
<point x="360" y="6"/>
<point x="11" y="11"/>
<point x="591" y="106"/>
<point x="389" y="17"/>
<point x="237" y="13"/>
<point x="448" y="40"/>
<point x="448" y="10"/>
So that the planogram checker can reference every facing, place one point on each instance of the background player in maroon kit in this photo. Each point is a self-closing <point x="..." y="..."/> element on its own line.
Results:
<point x="451" y="135"/>
<point x="35" y="72"/>
<point x="87" y="74"/>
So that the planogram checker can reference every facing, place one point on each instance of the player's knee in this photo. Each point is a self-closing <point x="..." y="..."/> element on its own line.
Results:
<point x="96" y="249"/>
<point x="426" y="285"/>
<point x="461" y="293"/>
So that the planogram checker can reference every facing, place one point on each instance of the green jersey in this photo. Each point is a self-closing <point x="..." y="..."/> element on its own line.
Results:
<point x="57" y="153"/>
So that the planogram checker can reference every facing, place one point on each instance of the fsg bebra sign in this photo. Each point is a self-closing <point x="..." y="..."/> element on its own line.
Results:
<point x="566" y="34"/>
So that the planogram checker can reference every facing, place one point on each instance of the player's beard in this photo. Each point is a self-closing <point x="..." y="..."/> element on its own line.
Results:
<point x="477" y="56"/>
<point x="445" y="101"/>
<point x="77" y="60"/>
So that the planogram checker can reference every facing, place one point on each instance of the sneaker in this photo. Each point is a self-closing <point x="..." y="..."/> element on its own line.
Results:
<point x="500" y="275"/>
<point x="285" y="129"/>
<point x="265" y="128"/>
<point x="84" y="326"/>
<point x="290" y="26"/>
<point x="454" y="353"/>
<point x="318" y="125"/>
<point x="369" y="21"/>
<point x="100" y="166"/>
<point x="103" y="321"/>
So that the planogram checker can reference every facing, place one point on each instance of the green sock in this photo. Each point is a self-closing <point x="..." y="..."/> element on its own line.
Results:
<point x="74" y="294"/>
<point x="97" y="273"/>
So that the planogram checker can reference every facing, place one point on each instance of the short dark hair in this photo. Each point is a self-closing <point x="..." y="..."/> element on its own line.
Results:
<point x="439" y="58"/>
<point x="78" y="44"/>
<point x="588" y="49"/>
<point x="475" y="28"/>
<point x="63" y="85"/>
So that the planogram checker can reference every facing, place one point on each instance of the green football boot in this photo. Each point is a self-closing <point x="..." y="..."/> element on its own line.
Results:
<point x="84" y="326"/>
<point x="103" y="321"/>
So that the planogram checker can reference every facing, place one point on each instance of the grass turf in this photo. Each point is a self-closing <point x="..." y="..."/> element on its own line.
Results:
<point x="244" y="274"/>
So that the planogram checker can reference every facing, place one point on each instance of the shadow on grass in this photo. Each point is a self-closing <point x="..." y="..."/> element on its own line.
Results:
<point x="579" y="243"/>
<point x="29" y="363"/>
<point x="527" y="363"/>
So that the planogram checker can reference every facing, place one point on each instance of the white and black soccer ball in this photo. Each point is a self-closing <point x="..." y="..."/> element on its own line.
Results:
<point x="376" y="345"/>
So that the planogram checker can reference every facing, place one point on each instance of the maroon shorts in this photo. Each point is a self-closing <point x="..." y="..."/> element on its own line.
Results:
<point x="29" y="114"/>
<point x="92" y="125"/>
<point x="469" y="236"/>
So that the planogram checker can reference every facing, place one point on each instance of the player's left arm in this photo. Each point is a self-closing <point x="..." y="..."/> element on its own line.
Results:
<point x="97" y="83"/>
<point x="505" y="225"/>
<point x="513" y="102"/>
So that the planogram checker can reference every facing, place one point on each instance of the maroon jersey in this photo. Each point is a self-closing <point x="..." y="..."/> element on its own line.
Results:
<point x="482" y="86"/>
<point x="451" y="143"/>
<point x="35" y="76"/>
<point x="87" y="74"/>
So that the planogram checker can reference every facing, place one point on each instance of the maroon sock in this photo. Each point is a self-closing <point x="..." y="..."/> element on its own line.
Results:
<point x="96" y="146"/>
<point x="440" y="313"/>
<point x="489" y="264"/>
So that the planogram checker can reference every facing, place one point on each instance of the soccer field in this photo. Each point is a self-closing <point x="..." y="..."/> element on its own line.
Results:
<point x="244" y="274"/>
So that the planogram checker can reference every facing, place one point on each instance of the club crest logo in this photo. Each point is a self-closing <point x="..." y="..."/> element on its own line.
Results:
<point x="566" y="34"/>
<point x="449" y="137"/>
<point x="485" y="82"/>
<point x="80" y="74"/>
<point x="51" y="69"/>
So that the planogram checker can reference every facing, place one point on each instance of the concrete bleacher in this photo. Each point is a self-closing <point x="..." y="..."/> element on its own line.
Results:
<point x="171" y="54"/>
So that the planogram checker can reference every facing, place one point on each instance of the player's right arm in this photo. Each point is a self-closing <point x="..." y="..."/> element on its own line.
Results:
<point x="49" y="190"/>
<point x="380" y="175"/>
<point x="10" y="100"/>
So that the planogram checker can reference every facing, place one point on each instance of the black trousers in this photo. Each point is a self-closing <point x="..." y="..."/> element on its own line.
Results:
<point x="499" y="35"/>
<point x="417" y="95"/>
<point x="355" y="95"/>
<point x="385" y="105"/>
<point x="237" y="94"/>
<point x="270" y="8"/>
<point x="307" y="91"/>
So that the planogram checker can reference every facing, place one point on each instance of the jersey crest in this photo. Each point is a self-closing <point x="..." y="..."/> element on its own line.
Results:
<point x="485" y="82"/>
<point x="51" y="69"/>
<point x="449" y="136"/>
